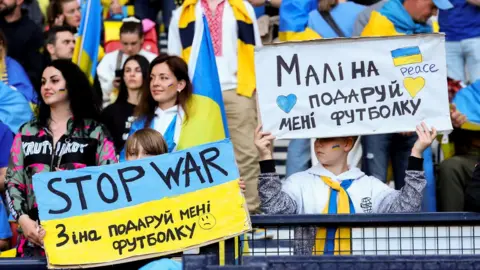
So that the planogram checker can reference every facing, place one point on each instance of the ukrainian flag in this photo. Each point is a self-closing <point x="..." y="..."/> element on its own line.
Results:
<point x="88" y="41"/>
<point x="407" y="56"/>
<point x="467" y="101"/>
<point x="294" y="20"/>
<point x="206" y="121"/>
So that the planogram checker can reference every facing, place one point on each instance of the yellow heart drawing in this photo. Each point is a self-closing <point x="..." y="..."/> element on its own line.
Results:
<point x="414" y="86"/>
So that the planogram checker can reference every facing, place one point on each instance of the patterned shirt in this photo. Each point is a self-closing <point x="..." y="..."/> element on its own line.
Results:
<point x="33" y="152"/>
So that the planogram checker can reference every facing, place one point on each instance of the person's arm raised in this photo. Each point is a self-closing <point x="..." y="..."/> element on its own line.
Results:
<point x="272" y="199"/>
<point x="409" y="198"/>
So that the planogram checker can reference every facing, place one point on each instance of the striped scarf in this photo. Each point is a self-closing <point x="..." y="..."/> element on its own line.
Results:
<point x="3" y="70"/>
<point x="335" y="241"/>
<point x="245" y="43"/>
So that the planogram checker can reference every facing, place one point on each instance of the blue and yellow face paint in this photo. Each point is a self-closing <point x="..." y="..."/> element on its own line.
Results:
<point x="407" y="56"/>
<point x="336" y="147"/>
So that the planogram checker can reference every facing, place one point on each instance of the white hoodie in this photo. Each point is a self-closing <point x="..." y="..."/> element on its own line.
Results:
<point x="306" y="193"/>
<point x="311" y="194"/>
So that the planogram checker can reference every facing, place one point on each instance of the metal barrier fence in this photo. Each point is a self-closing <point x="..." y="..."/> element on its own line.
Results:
<point x="417" y="262"/>
<point x="390" y="234"/>
<point x="375" y="239"/>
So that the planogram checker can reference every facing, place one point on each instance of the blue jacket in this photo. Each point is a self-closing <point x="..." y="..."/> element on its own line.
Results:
<point x="14" y="108"/>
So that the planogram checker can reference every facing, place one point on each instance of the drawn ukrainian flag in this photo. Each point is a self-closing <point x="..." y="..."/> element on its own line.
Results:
<point x="88" y="40"/>
<point x="407" y="56"/>
<point x="207" y="121"/>
<point x="294" y="20"/>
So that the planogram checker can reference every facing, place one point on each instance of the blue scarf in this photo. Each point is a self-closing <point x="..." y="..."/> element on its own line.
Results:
<point x="170" y="135"/>
<point x="403" y="22"/>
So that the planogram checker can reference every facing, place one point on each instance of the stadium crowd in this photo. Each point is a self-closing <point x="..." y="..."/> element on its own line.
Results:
<point x="55" y="116"/>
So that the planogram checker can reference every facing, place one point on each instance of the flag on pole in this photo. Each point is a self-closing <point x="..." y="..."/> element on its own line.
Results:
<point x="88" y="40"/>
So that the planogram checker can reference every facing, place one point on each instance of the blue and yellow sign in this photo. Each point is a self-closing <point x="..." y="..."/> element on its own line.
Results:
<point x="148" y="207"/>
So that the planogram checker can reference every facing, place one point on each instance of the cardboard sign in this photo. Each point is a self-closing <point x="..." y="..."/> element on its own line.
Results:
<point x="360" y="86"/>
<point x="144" y="208"/>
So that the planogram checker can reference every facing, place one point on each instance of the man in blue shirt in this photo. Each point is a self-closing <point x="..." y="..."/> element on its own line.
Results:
<point x="6" y="140"/>
<point x="461" y="25"/>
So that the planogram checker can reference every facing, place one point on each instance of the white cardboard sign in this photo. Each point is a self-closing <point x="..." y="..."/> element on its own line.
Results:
<point x="359" y="86"/>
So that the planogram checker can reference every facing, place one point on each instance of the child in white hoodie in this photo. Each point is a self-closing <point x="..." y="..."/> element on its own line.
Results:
<point x="331" y="187"/>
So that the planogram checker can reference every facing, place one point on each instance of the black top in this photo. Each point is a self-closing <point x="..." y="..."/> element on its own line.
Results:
<point x="24" y="44"/>
<point x="118" y="119"/>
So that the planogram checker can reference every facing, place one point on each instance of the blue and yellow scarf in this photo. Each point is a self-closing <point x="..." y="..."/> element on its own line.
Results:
<point x="246" y="42"/>
<point x="332" y="240"/>
<point x="3" y="70"/>
<point x="393" y="19"/>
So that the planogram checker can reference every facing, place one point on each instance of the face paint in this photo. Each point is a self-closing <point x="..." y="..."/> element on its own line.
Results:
<point x="336" y="147"/>
<point x="62" y="90"/>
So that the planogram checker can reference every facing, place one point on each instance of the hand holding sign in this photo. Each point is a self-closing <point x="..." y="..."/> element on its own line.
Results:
<point x="242" y="185"/>
<point x="31" y="230"/>
<point x="264" y="143"/>
<point x="425" y="139"/>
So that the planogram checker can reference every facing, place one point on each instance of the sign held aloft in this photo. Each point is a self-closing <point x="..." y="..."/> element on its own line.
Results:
<point x="145" y="208"/>
<point x="360" y="86"/>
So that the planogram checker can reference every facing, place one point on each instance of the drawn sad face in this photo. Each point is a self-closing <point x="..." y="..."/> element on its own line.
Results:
<point x="207" y="221"/>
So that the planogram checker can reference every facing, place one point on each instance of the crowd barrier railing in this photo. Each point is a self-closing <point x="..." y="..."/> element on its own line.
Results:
<point x="375" y="234"/>
<point x="328" y="262"/>
<point x="428" y="237"/>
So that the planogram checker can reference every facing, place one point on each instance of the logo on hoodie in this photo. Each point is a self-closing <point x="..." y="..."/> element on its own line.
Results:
<point x="366" y="204"/>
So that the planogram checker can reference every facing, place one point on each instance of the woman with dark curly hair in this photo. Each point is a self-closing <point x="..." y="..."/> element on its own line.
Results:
<point x="66" y="135"/>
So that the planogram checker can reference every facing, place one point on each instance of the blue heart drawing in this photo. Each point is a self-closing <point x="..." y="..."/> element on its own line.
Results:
<point x="286" y="103"/>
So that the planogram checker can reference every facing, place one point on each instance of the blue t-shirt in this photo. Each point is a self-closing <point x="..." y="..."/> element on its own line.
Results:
<point x="460" y="22"/>
<point x="5" y="230"/>
<point x="6" y="141"/>
<point x="344" y="15"/>
<point x="18" y="79"/>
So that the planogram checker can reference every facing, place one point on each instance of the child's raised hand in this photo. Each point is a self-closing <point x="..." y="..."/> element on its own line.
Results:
<point x="425" y="139"/>
<point x="264" y="143"/>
